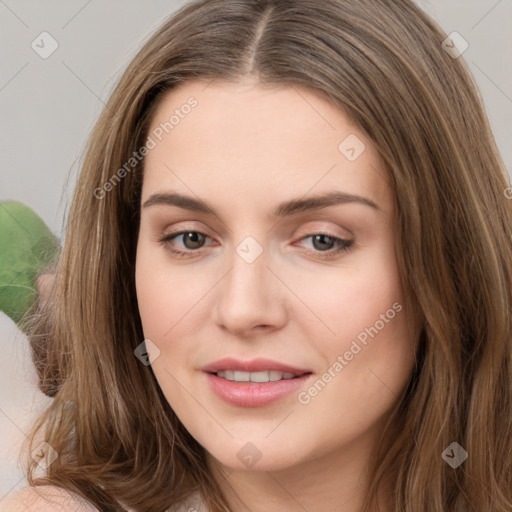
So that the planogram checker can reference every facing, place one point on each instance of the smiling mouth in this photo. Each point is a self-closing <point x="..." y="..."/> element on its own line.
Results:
<point x="264" y="376"/>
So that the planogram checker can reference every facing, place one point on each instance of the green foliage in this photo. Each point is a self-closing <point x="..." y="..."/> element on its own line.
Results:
<point x="27" y="246"/>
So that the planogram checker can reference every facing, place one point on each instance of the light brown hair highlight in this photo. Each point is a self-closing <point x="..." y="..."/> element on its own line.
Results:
<point x="382" y="62"/>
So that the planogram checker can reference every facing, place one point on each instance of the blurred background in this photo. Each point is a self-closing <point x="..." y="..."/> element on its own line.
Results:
<point x="59" y="62"/>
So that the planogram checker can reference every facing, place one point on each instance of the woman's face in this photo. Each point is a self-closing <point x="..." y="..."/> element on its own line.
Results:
<point x="283" y="220"/>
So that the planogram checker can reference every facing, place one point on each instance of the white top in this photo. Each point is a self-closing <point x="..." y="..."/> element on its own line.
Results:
<point x="50" y="498"/>
<point x="45" y="498"/>
<point x="193" y="503"/>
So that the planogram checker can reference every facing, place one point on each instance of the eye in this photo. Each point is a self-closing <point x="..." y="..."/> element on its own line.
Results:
<point x="328" y="246"/>
<point x="324" y="245"/>
<point x="192" y="241"/>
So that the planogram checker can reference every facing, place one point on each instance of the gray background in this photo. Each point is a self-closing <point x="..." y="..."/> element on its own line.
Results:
<point x="48" y="107"/>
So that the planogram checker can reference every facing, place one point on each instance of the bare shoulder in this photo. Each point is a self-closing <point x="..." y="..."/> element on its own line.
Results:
<point x="45" y="498"/>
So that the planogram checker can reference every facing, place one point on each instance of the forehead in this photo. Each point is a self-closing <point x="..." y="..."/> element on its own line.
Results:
<point x="250" y="140"/>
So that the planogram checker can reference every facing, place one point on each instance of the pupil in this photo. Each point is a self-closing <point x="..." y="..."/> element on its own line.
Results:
<point x="321" y="238"/>
<point x="193" y="237"/>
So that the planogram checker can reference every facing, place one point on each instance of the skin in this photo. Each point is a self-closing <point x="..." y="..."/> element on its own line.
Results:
<point x="243" y="150"/>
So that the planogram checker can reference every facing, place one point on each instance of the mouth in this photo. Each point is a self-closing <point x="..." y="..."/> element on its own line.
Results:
<point x="269" y="370"/>
<point x="255" y="389"/>
<point x="255" y="383"/>
<point x="259" y="377"/>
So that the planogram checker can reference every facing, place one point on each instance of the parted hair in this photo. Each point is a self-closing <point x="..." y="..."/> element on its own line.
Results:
<point x="118" y="441"/>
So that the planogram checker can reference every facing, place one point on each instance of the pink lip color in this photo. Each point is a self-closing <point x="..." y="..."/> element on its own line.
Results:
<point x="256" y="365"/>
<point x="253" y="394"/>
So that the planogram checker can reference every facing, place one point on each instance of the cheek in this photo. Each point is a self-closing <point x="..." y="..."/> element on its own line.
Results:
<point x="364" y="323"/>
<point x="163" y="302"/>
<point x="351" y="298"/>
<point x="370" y="357"/>
<point x="165" y="294"/>
<point x="173" y="306"/>
<point x="151" y="295"/>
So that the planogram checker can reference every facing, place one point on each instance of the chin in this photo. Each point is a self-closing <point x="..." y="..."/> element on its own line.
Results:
<point x="250" y="456"/>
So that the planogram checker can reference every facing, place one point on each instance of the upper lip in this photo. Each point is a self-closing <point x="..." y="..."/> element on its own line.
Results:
<point x="255" y="365"/>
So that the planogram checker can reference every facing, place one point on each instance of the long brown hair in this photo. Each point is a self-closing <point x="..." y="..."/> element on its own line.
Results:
<point x="118" y="441"/>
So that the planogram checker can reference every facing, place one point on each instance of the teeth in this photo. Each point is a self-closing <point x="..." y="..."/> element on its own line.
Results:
<point x="267" y="376"/>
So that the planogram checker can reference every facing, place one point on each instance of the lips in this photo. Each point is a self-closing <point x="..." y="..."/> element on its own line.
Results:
<point x="224" y="378"/>
<point x="254" y="394"/>
<point x="255" y="365"/>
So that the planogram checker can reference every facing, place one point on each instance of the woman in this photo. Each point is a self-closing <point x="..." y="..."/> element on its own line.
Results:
<point x="206" y="350"/>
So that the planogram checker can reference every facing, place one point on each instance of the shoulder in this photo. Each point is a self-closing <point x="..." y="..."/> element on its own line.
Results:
<point x="45" y="498"/>
<point x="193" y="503"/>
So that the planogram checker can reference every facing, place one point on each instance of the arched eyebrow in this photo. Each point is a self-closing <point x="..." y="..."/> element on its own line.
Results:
<point x="285" y="209"/>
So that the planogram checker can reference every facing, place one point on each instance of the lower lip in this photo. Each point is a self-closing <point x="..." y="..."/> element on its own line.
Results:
<point x="254" y="394"/>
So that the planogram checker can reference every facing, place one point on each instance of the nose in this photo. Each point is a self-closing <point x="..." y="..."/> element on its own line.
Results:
<point x="250" y="298"/>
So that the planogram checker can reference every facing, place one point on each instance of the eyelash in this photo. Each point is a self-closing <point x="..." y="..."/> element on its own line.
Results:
<point x="343" y="245"/>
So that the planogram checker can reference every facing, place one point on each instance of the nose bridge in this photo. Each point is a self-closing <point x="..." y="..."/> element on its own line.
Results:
<point x="249" y="295"/>
<point x="248" y="279"/>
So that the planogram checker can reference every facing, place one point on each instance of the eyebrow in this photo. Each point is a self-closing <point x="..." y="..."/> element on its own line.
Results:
<point x="285" y="209"/>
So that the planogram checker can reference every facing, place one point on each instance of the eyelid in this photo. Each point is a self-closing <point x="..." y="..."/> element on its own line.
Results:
<point x="179" y="228"/>
<point x="304" y="231"/>
<point x="317" y="228"/>
<point x="342" y="245"/>
<point x="327" y="226"/>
